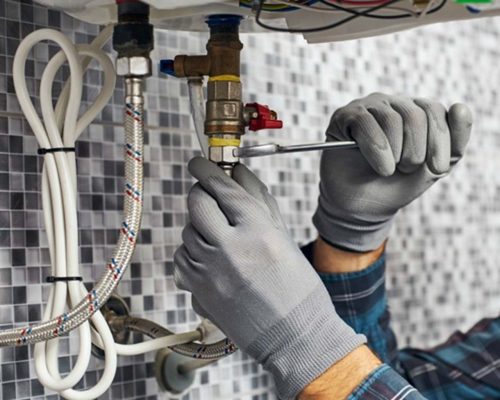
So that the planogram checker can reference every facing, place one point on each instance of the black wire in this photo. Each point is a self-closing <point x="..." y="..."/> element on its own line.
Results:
<point x="284" y="9"/>
<point x="320" y="28"/>
<point x="398" y="16"/>
<point x="354" y="14"/>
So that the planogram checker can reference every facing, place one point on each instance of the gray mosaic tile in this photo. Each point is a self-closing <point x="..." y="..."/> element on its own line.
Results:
<point x="442" y="255"/>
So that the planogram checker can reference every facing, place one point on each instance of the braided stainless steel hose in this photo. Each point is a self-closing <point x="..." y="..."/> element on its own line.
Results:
<point x="212" y="351"/>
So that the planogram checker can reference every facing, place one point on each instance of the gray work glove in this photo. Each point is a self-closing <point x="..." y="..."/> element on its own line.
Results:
<point x="405" y="145"/>
<point x="249" y="277"/>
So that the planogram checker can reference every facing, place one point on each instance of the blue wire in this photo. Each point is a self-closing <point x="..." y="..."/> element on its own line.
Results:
<point x="472" y="10"/>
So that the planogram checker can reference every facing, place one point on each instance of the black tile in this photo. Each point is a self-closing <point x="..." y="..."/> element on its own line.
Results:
<point x="5" y="238"/>
<point x="32" y="238"/>
<point x="86" y="255"/>
<point x="34" y="312"/>
<point x="97" y="202"/>
<point x="111" y="236"/>
<point x="4" y="162"/>
<point x="145" y="236"/>
<point x="15" y="144"/>
<point x="140" y="388"/>
<point x="8" y="391"/>
<point x="168" y="219"/>
<point x="18" y="257"/>
<point x="169" y="268"/>
<point x="204" y="377"/>
<point x="21" y="353"/>
<point x="83" y="149"/>
<point x="19" y="294"/>
<point x="8" y="372"/>
<point x="127" y="374"/>
<point x="109" y="185"/>
<point x="31" y="164"/>
<point x="22" y="370"/>
<point x="17" y="201"/>
<point x="148" y="303"/>
<point x="136" y="286"/>
<point x="4" y="139"/>
<point x="135" y="270"/>
<point x="32" y="182"/>
<point x="36" y="388"/>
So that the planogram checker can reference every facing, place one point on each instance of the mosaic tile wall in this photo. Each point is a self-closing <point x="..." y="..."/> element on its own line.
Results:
<point x="443" y="254"/>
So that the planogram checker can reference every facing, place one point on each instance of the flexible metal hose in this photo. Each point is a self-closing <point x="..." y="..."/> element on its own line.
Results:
<point x="211" y="351"/>
<point x="154" y="330"/>
<point x="134" y="136"/>
<point x="140" y="325"/>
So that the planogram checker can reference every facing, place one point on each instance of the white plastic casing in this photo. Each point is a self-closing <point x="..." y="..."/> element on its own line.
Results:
<point x="190" y="15"/>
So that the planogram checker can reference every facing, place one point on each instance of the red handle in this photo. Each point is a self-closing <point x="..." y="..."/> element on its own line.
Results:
<point x="261" y="117"/>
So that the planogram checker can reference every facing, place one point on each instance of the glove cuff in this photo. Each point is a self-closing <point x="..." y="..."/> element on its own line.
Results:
<point x="305" y="344"/>
<point x="353" y="236"/>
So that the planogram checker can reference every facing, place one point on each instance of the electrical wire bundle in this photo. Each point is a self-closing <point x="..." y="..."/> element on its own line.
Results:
<point x="354" y="8"/>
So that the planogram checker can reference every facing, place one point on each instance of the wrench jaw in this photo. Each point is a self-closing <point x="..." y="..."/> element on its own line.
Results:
<point x="273" y="148"/>
<point x="256" y="151"/>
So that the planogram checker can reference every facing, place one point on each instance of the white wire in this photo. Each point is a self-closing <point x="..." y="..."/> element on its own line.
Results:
<point x="151" y="345"/>
<point x="60" y="213"/>
<point x="61" y="127"/>
<point x="427" y="8"/>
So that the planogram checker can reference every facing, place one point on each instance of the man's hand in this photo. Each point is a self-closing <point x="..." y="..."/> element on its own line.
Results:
<point x="248" y="276"/>
<point x="405" y="145"/>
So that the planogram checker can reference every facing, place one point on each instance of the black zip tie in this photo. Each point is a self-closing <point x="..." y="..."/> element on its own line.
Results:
<point x="52" y="279"/>
<point x="56" y="150"/>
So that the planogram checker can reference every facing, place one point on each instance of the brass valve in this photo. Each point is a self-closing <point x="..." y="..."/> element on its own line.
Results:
<point x="226" y="117"/>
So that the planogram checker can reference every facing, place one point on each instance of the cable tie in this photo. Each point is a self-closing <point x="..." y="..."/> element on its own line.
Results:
<point x="56" y="150"/>
<point x="52" y="279"/>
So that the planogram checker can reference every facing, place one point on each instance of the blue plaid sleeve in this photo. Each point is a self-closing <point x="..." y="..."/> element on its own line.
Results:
<point x="360" y="300"/>
<point x="466" y="366"/>
<point x="385" y="383"/>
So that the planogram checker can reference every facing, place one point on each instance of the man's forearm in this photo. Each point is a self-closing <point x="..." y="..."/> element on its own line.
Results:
<point x="329" y="259"/>
<point x="344" y="377"/>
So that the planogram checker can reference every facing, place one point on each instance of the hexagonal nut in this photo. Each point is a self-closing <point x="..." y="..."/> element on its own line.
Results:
<point x="133" y="66"/>
<point x="224" y="90"/>
<point x="223" y="154"/>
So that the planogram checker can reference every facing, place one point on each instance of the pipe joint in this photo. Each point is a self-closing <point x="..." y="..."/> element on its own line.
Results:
<point x="133" y="39"/>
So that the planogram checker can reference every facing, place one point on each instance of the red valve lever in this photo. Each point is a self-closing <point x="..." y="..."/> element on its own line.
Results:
<point x="261" y="117"/>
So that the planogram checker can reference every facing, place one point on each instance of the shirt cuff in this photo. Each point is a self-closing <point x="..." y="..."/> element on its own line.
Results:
<point x="385" y="383"/>
<point x="359" y="297"/>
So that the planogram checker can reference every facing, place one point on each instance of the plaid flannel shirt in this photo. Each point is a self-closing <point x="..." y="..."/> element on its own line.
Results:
<point x="465" y="367"/>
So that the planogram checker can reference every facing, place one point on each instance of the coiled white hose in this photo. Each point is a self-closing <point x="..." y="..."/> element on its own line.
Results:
<point x="60" y="128"/>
